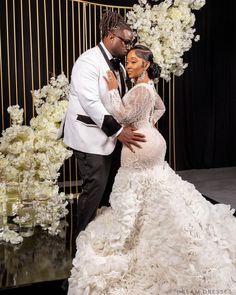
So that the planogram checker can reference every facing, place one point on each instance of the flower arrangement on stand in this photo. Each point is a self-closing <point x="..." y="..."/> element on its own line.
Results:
<point x="167" y="29"/>
<point x="30" y="158"/>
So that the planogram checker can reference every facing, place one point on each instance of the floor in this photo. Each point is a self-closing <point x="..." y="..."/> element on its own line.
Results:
<point x="218" y="184"/>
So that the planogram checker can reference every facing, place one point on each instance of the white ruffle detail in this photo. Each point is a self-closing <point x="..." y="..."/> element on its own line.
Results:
<point x="159" y="237"/>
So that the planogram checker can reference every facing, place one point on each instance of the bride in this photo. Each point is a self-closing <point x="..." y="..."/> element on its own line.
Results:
<point x="160" y="236"/>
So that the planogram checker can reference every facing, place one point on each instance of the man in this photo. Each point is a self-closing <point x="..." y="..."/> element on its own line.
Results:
<point x="89" y="129"/>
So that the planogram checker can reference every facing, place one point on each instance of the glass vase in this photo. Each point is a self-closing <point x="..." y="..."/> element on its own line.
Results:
<point x="26" y="214"/>
<point x="3" y="216"/>
<point x="13" y="196"/>
<point x="3" y="221"/>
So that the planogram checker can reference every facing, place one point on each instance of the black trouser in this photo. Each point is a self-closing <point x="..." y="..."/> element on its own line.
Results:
<point x="97" y="173"/>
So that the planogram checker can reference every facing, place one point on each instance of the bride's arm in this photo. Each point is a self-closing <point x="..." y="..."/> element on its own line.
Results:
<point x="135" y="103"/>
<point x="159" y="108"/>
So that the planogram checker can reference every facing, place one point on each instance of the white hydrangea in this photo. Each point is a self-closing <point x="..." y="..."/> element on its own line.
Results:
<point x="31" y="156"/>
<point x="16" y="114"/>
<point x="10" y="236"/>
<point x="167" y="29"/>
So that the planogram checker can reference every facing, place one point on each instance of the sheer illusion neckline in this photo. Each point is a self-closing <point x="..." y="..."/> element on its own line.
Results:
<point x="150" y="82"/>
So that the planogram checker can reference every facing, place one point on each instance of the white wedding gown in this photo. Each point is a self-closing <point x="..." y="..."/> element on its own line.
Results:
<point x="160" y="236"/>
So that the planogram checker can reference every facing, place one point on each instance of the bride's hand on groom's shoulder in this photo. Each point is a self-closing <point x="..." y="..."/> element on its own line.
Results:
<point x="130" y="138"/>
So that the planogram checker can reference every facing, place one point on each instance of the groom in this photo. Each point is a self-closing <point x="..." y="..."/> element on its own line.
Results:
<point x="89" y="129"/>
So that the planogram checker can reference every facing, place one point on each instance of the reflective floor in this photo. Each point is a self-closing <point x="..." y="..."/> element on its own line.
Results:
<point x="41" y="257"/>
<point x="216" y="183"/>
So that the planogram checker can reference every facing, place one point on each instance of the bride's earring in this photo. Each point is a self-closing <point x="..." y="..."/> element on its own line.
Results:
<point x="142" y="76"/>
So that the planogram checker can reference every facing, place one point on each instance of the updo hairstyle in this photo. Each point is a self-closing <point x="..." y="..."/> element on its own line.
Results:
<point x="145" y="53"/>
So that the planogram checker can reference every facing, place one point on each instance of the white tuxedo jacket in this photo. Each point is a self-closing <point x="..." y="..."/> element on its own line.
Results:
<point x="88" y="126"/>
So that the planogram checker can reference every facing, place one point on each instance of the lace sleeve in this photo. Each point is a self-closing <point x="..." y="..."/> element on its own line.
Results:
<point x="132" y="107"/>
<point x="159" y="108"/>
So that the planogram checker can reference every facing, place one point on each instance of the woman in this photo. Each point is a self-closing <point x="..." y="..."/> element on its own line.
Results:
<point x="160" y="236"/>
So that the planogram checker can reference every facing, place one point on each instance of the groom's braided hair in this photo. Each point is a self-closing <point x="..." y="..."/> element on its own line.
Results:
<point x="111" y="21"/>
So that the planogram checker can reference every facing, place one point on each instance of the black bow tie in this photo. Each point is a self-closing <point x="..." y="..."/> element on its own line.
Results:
<point x="115" y="62"/>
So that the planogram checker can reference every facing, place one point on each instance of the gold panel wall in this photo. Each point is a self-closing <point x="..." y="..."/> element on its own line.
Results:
<point x="41" y="38"/>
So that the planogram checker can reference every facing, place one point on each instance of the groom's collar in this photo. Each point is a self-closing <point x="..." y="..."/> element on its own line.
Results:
<point x="109" y="55"/>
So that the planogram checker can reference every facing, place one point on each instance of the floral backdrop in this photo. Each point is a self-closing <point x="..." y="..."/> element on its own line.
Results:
<point x="167" y="29"/>
<point x="30" y="158"/>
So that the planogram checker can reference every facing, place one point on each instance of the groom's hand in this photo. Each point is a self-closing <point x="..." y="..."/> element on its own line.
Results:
<point x="129" y="137"/>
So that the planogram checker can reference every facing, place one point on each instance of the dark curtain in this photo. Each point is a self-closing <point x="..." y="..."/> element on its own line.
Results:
<point x="206" y="93"/>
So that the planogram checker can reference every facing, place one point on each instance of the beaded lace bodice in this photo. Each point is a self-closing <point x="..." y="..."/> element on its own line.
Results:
<point x="141" y="107"/>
